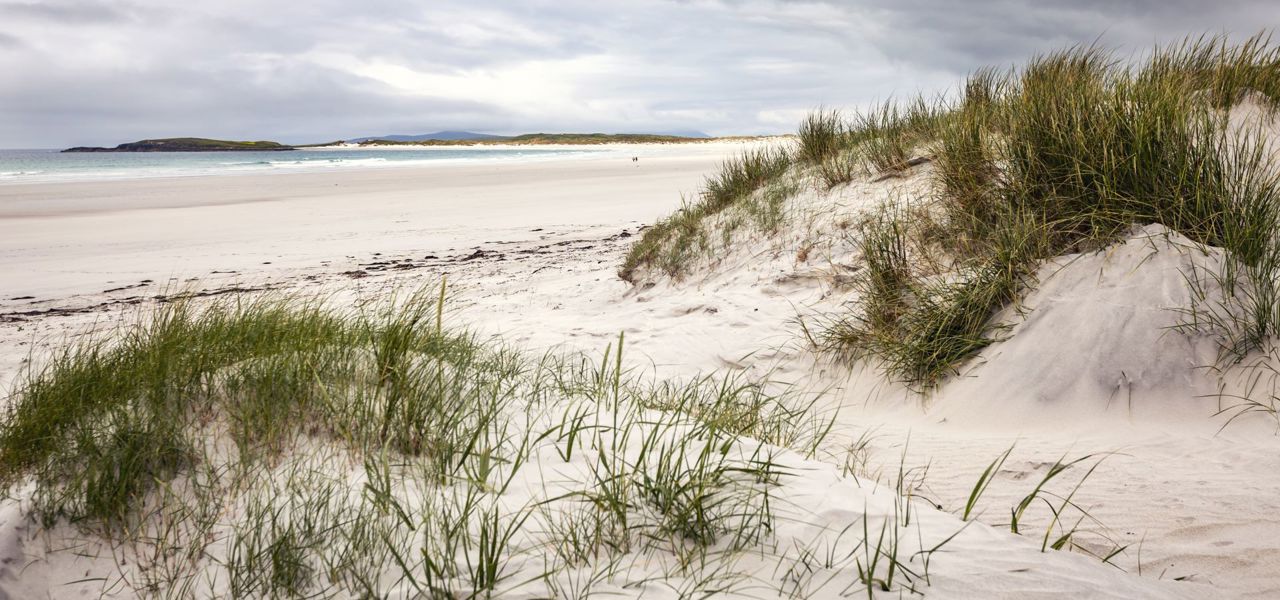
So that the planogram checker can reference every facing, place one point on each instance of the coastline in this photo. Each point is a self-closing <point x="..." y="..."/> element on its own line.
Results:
<point x="349" y="158"/>
<point x="693" y="142"/>
<point x="66" y="238"/>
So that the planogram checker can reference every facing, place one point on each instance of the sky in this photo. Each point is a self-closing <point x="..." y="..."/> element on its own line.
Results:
<point x="99" y="72"/>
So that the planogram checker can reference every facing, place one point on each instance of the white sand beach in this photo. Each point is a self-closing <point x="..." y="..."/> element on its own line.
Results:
<point x="531" y="252"/>
<point x="671" y="300"/>
<point x="188" y="226"/>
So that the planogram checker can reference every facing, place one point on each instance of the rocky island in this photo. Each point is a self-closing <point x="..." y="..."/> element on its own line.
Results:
<point x="186" y="145"/>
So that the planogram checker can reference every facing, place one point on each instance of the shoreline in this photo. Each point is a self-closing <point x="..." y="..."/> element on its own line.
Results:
<point x="538" y="153"/>
<point x="729" y="140"/>
<point x="68" y="238"/>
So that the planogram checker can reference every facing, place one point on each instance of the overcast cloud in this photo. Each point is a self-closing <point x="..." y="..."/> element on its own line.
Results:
<point x="103" y="72"/>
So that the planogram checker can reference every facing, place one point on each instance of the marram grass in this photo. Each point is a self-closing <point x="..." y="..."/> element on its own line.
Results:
<point x="286" y="448"/>
<point x="672" y="244"/>
<point x="1064" y="154"/>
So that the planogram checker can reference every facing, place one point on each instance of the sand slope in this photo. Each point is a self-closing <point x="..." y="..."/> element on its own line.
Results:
<point x="1089" y="367"/>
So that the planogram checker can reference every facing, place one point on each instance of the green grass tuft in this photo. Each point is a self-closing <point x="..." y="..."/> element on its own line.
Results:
<point x="1066" y="155"/>
<point x="822" y="136"/>
<point x="285" y="448"/>
<point x="670" y="245"/>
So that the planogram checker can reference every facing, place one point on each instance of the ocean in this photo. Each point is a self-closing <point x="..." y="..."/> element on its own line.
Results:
<point x="52" y="165"/>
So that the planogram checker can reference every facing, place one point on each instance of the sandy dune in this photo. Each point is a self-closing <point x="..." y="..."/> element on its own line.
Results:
<point x="532" y="250"/>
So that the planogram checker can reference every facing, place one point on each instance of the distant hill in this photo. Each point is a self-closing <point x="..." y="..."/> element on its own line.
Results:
<point x="687" y="133"/>
<point x="536" y="138"/>
<point x="596" y="138"/>
<point x="439" y="138"/>
<point x="543" y="138"/>
<point x="439" y="135"/>
<point x="186" y="145"/>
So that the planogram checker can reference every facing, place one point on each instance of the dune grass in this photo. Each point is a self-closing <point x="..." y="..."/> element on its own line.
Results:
<point x="279" y="447"/>
<point x="890" y="134"/>
<point x="670" y="245"/>
<point x="825" y="144"/>
<point x="1064" y="155"/>
<point x="822" y="135"/>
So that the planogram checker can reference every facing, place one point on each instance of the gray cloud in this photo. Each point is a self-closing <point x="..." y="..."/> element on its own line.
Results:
<point x="66" y="12"/>
<point x="95" y="72"/>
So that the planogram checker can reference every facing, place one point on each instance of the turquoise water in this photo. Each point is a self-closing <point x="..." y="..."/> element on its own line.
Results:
<point x="51" y="165"/>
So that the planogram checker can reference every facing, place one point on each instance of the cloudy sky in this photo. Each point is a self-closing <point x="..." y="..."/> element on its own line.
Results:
<point x="102" y="72"/>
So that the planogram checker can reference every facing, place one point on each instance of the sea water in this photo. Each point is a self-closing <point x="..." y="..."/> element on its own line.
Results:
<point x="52" y="165"/>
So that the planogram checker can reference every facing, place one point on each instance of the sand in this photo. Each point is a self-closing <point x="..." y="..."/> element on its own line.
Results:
<point x="532" y="249"/>
<point x="73" y="238"/>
